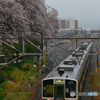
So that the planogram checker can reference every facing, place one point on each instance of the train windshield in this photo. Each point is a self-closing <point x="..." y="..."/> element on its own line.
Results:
<point x="59" y="92"/>
<point x="70" y="88"/>
<point x="48" y="88"/>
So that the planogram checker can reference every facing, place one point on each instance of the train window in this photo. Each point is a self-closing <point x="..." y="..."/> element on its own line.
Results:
<point x="48" y="88"/>
<point x="59" y="92"/>
<point x="70" y="86"/>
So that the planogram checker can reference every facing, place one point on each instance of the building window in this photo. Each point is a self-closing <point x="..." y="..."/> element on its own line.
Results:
<point x="76" y="24"/>
<point x="68" y="25"/>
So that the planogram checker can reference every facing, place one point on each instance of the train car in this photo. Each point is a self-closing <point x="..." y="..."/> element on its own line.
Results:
<point x="66" y="79"/>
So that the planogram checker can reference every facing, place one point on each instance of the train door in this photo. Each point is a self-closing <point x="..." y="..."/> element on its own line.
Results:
<point x="59" y="92"/>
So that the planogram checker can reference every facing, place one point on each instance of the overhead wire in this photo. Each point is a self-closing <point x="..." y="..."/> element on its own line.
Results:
<point x="21" y="86"/>
<point x="18" y="94"/>
<point x="19" y="83"/>
<point x="24" y="84"/>
<point x="54" y="42"/>
<point x="16" y="86"/>
<point x="34" y="83"/>
<point x="12" y="60"/>
<point x="16" y="90"/>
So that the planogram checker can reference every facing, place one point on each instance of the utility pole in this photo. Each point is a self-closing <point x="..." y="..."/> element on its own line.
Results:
<point x="81" y="35"/>
<point x="72" y="42"/>
<point x="23" y="45"/>
<point x="47" y="45"/>
<point x="42" y="46"/>
<point x="76" y="38"/>
<point x="37" y="50"/>
<point x="97" y="54"/>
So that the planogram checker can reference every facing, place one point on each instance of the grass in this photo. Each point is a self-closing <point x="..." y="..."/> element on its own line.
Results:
<point x="97" y="83"/>
<point x="30" y="61"/>
<point x="20" y="95"/>
<point x="94" y="72"/>
<point x="94" y="81"/>
<point x="2" y="87"/>
<point x="45" y="59"/>
<point x="35" y="89"/>
<point x="16" y="74"/>
<point x="1" y="96"/>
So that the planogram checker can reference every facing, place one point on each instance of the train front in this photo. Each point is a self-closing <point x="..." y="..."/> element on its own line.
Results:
<point x="59" y="89"/>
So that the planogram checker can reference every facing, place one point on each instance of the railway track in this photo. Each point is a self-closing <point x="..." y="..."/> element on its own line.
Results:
<point x="56" y="50"/>
<point x="62" y="71"/>
<point x="86" y="86"/>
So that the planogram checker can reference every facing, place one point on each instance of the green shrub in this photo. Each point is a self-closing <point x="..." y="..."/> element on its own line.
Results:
<point x="2" y="85"/>
<point x="26" y="67"/>
<point x="3" y="76"/>
<point x="1" y="96"/>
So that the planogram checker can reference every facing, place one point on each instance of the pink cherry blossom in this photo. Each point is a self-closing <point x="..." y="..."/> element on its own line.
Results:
<point x="22" y="18"/>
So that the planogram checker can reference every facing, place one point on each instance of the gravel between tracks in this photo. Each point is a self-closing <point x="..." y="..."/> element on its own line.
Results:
<point x="86" y="87"/>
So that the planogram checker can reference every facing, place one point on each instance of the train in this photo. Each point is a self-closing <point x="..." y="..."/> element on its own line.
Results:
<point x="65" y="81"/>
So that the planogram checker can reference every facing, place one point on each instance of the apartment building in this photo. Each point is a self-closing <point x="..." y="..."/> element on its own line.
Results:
<point x="69" y="23"/>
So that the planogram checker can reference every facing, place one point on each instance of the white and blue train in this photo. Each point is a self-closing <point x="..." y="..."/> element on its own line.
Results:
<point x="66" y="79"/>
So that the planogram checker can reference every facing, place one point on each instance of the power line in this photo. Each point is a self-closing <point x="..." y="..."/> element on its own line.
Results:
<point x="23" y="84"/>
<point x="18" y="95"/>
<point x="58" y="38"/>
<point x="36" y="46"/>
<point x="12" y="60"/>
<point x="19" y="87"/>
<point x="19" y="83"/>
<point x="23" y="95"/>
<point x="10" y="46"/>
<point x="16" y="90"/>
<point x="35" y="82"/>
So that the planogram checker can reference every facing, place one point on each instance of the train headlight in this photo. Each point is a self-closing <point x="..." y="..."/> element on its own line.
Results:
<point x="72" y="93"/>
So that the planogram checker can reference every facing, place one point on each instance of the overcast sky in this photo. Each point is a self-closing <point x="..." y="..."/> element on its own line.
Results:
<point x="87" y="12"/>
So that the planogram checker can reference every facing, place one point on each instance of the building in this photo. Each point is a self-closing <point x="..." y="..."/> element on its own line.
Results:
<point x="63" y="24"/>
<point x="69" y="23"/>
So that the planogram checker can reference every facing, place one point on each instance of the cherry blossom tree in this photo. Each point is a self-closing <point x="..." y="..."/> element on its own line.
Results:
<point x="22" y="18"/>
